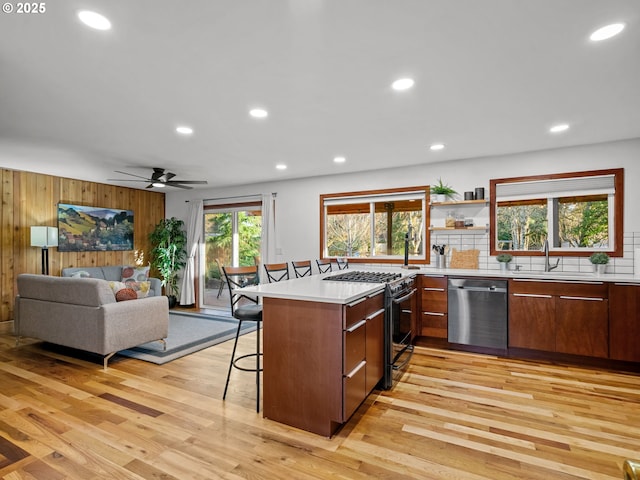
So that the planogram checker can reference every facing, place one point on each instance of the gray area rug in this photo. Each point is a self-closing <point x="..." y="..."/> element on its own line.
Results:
<point x="188" y="333"/>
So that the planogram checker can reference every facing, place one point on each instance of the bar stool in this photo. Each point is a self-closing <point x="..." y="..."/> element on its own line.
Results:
<point x="343" y="263"/>
<point x="238" y="277"/>
<point x="302" y="268"/>
<point x="324" y="265"/>
<point x="277" y="272"/>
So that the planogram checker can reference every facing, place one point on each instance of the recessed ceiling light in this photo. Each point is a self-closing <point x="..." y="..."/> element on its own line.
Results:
<point x="184" y="130"/>
<point x="607" y="31"/>
<point x="561" y="127"/>
<point x="94" y="20"/>
<point x="437" y="146"/>
<point x="402" y="84"/>
<point x="258" y="113"/>
<point x="339" y="159"/>
<point x="281" y="166"/>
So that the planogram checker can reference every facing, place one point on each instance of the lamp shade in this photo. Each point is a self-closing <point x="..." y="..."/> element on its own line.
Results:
<point x="44" y="236"/>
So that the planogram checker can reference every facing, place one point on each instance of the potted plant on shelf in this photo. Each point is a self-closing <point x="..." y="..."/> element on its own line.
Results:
<point x="599" y="261"/>
<point x="168" y="254"/>
<point x="504" y="259"/>
<point x="442" y="191"/>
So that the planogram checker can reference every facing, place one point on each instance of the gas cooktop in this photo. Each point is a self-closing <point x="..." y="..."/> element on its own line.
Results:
<point x="364" y="277"/>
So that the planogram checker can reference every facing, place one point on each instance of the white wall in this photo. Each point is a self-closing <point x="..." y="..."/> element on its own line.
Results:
<point x="297" y="203"/>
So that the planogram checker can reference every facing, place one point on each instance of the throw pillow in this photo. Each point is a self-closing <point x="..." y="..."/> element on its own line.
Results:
<point x="117" y="286"/>
<point x="141" y="288"/>
<point x="126" y="294"/>
<point x="136" y="274"/>
<point x="80" y="274"/>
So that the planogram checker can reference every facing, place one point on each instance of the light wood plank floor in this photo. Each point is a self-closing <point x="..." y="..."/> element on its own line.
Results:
<point x="454" y="416"/>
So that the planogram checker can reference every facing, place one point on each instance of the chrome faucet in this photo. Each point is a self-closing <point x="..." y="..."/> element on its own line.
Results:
<point x="547" y="265"/>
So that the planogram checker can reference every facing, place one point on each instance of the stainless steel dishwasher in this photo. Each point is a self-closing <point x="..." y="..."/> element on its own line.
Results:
<point x="478" y="312"/>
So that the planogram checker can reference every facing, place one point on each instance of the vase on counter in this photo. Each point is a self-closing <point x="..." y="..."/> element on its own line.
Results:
<point x="599" y="269"/>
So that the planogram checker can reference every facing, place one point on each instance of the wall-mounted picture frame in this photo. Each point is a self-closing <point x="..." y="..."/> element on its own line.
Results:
<point x="94" y="229"/>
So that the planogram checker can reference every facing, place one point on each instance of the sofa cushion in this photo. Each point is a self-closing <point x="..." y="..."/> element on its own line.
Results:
<point x="112" y="273"/>
<point x="126" y="294"/>
<point x="84" y="272"/>
<point x="91" y="292"/>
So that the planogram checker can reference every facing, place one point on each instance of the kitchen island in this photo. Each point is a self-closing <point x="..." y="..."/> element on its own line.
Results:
<point x="323" y="350"/>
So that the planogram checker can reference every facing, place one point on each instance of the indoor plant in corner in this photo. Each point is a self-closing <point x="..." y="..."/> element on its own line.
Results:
<point x="168" y="254"/>
<point x="599" y="261"/>
<point x="442" y="191"/>
<point x="504" y="259"/>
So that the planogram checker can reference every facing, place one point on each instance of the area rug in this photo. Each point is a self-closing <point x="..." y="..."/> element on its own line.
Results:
<point x="188" y="333"/>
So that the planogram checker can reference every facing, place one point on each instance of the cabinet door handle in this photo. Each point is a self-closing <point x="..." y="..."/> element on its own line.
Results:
<point x="356" y="370"/>
<point x="375" y="314"/>
<point x="356" y="326"/>
<point x="571" y="282"/>
<point x="627" y="284"/>
<point x="531" y="295"/>
<point x="438" y="314"/>
<point x="592" y="299"/>
<point x="432" y="289"/>
<point x="356" y="302"/>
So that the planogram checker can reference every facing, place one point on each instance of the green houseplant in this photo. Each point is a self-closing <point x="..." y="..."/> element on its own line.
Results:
<point x="504" y="259"/>
<point x="168" y="253"/>
<point x="599" y="261"/>
<point x="442" y="191"/>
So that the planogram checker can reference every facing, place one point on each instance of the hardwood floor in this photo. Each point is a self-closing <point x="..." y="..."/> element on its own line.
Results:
<point x="454" y="416"/>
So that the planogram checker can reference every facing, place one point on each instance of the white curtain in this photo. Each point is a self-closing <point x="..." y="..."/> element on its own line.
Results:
<point x="194" y="235"/>
<point x="268" y="248"/>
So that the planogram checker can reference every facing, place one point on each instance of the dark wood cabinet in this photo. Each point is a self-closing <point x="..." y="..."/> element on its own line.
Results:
<point x="532" y="321"/>
<point x="624" y="322"/>
<point x="433" y="321"/>
<point x="321" y="360"/>
<point x="559" y="316"/>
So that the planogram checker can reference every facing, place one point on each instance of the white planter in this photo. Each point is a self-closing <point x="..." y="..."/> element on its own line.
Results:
<point x="600" y="268"/>
<point x="504" y="266"/>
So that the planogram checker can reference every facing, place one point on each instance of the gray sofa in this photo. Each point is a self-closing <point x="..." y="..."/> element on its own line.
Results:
<point x="83" y="313"/>
<point x="112" y="273"/>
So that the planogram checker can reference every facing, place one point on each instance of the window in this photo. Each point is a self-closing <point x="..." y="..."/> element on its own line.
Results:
<point x="373" y="225"/>
<point x="577" y="213"/>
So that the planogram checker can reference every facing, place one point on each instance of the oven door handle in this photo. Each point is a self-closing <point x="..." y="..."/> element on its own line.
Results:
<point x="410" y="350"/>
<point x="406" y="297"/>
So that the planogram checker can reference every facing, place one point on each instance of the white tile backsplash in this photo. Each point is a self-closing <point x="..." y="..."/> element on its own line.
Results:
<point x="629" y="263"/>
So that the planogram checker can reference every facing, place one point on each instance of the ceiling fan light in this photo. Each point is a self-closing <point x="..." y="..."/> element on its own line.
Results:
<point x="158" y="185"/>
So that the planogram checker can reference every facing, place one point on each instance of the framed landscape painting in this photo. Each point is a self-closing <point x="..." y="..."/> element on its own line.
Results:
<point x="94" y="229"/>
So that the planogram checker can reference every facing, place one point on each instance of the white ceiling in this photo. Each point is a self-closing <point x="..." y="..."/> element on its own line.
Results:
<point x="491" y="77"/>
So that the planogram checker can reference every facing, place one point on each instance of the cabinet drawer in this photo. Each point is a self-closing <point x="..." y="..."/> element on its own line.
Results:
<point x="362" y="308"/>
<point x="434" y="324"/>
<point x="433" y="300"/>
<point x="355" y="342"/>
<point x="433" y="282"/>
<point x="557" y="288"/>
<point x="354" y="389"/>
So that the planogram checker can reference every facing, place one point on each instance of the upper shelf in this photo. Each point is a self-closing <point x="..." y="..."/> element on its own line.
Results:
<point x="459" y="202"/>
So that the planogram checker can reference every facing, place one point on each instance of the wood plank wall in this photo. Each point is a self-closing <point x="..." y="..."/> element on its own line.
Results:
<point x="32" y="199"/>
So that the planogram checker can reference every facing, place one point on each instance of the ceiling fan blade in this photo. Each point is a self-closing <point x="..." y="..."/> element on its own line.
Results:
<point x="190" y="182"/>
<point x="178" y="185"/>
<point x="126" y="180"/>
<point x="168" y="176"/>
<point x="157" y="173"/>
<point x="132" y="174"/>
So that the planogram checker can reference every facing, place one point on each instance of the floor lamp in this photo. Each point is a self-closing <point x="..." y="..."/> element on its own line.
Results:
<point x="44" y="237"/>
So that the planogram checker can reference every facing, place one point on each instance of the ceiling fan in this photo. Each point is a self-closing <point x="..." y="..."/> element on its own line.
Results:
<point x="159" y="178"/>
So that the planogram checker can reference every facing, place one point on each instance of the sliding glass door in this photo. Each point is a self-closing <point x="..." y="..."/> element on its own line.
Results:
<point x="232" y="236"/>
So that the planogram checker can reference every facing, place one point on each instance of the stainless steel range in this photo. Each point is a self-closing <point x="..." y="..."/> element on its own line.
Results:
<point x="399" y="307"/>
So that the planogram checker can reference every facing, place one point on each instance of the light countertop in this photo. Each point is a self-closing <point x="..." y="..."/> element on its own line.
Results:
<point x="315" y="289"/>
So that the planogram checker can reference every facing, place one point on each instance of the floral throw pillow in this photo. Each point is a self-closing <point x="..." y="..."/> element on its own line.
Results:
<point x="136" y="274"/>
<point x="141" y="288"/>
<point x="126" y="294"/>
